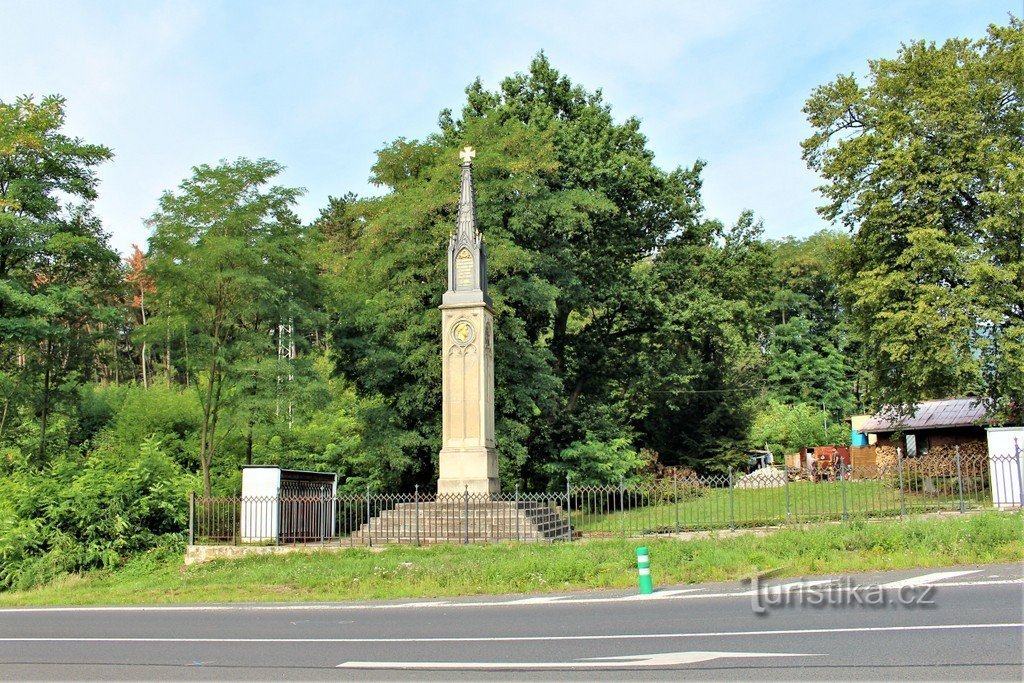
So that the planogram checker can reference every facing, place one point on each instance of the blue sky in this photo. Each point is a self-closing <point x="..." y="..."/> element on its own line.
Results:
<point x="319" y="86"/>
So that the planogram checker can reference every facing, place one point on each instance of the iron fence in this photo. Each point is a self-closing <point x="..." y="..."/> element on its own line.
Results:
<point x="762" y="498"/>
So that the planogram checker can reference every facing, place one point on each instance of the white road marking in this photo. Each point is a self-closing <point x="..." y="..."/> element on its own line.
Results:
<point x="784" y="587"/>
<point x="540" y="600"/>
<point x="656" y="595"/>
<point x="927" y="579"/>
<point x="511" y="639"/>
<point x="631" y="661"/>
<point x="935" y="579"/>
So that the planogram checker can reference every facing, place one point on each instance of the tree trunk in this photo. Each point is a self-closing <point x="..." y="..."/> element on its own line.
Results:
<point x="142" y="307"/>
<point x="167" y="358"/>
<point x="45" y="413"/>
<point x="248" y="445"/>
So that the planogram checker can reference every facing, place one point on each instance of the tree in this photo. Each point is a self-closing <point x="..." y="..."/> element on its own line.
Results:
<point x="141" y="285"/>
<point x="227" y="256"/>
<point x="702" y="363"/>
<point x="572" y="207"/>
<point x="925" y="164"/>
<point x="58" y="276"/>
<point x="810" y="357"/>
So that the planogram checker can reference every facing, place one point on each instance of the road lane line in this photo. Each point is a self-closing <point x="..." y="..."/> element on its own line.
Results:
<point x="680" y="594"/>
<point x="616" y="662"/>
<point x="927" y="579"/>
<point x="514" y="639"/>
<point x="783" y="587"/>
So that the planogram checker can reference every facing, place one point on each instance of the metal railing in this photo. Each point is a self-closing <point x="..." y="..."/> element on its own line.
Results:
<point x="766" y="497"/>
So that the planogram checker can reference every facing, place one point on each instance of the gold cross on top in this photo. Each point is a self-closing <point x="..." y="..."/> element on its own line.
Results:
<point x="467" y="154"/>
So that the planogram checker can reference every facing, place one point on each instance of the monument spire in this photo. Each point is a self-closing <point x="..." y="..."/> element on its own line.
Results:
<point x="467" y="256"/>
<point x="466" y="229"/>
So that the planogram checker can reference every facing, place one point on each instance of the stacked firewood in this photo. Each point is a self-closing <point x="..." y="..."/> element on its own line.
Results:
<point x="939" y="462"/>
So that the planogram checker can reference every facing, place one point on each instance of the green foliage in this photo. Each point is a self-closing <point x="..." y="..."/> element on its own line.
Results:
<point x="83" y="513"/>
<point x="229" y="262"/>
<point x="810" y="357"/>
<point x="786" y="428"/>
<point x="595" y="463"/>
<point x="609" y="291"/>
<point x="924" y="163"/>
<point x="58" y="276"/>
<point x="170" y="416"/>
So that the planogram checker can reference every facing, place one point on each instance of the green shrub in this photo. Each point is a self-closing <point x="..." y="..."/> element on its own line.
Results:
<point x="88" y="512"/>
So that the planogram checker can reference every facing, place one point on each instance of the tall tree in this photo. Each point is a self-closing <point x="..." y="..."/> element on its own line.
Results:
<point x="571" y="206"/>
<point x="58" y="275"/>
<point x="925" y="164"/>
<point x="227" y="256"/>
<point x="811" y="358"/>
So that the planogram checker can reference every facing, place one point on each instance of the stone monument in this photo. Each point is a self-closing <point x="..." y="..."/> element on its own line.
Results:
<point x="468" y="507"/>
<point x="468" y="458"/>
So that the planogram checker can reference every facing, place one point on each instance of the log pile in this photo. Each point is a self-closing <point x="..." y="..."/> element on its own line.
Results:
<point x="939" y="462"/>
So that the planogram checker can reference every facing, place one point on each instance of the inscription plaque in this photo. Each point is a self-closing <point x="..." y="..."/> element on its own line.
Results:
<point x="464" y="270"/>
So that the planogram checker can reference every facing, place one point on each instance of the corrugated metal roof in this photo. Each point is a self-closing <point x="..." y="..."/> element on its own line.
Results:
<point x="938" y="414"/>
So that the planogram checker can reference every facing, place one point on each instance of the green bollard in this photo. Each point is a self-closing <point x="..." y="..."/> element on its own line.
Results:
<point x="643" y="565"/>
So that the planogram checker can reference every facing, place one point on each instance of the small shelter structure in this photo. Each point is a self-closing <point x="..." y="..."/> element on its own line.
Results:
<point x="287" y="506"/>
<point x="944" y="422"/>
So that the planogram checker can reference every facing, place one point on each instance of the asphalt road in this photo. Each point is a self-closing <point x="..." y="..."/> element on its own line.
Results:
<point x="963" y="623"/>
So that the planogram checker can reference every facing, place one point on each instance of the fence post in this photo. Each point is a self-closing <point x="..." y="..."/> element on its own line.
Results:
<point x="1020" y="473"/>
<point x="899" y="467"/>
<point x="622" y="505"/>
<point x="465" y="514"/>
<point x="732" y="507"/>
<point x="842" y="486"/>
<point x="959" y="477"/>
<point x="675" y="494"/>
<point x="568" y="506"/>
<point x="786" y="473"/>
<point x="416" y="500"/>
<point x="369" y="526"/>
<point x="279" y="511"/>
<point x="517" y="511"/>
<point x="191" y="517"/>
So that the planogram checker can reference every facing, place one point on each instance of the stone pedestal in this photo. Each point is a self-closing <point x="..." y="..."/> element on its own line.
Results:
<point x="468" y="459"/>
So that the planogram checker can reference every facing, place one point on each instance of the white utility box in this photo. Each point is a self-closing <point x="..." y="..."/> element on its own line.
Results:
<point x="287" y="506"/>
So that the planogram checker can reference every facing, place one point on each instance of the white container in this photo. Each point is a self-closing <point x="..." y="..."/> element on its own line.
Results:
<point x="1005" y="463"/>
<point x="260" y="513"/>
<point x="288" y="506"/>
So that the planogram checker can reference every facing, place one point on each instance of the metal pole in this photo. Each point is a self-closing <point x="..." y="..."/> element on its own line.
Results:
<point x="465" y="514"/>
<point x="191" y="517"/>
<point x="416" y="499"/>
<point x="369" y="526"/>
<point x="517" y="511"/>
<point x="279" y="511"/>
<point x="959" y="477"/>
<point x="675" y="494"/>
<point x="568" y="506"/>
<point x="842" y="485"/>
<point x="1020" y="473"/>
<point x="622" y="505"/>
<point x="899" y="466"/>
<point x="786" y="473"/>
<point x="732" y="506"/>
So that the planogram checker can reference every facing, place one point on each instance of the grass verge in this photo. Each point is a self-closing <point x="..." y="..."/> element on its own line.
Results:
<point x="408" y="572"/>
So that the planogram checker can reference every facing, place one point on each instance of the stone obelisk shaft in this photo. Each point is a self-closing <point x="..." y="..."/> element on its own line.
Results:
<point x="468" y="457"/>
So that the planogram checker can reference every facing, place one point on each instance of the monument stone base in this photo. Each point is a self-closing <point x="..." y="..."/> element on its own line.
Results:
<point x="454" y="519"/>
<point x="475" y="468"/>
